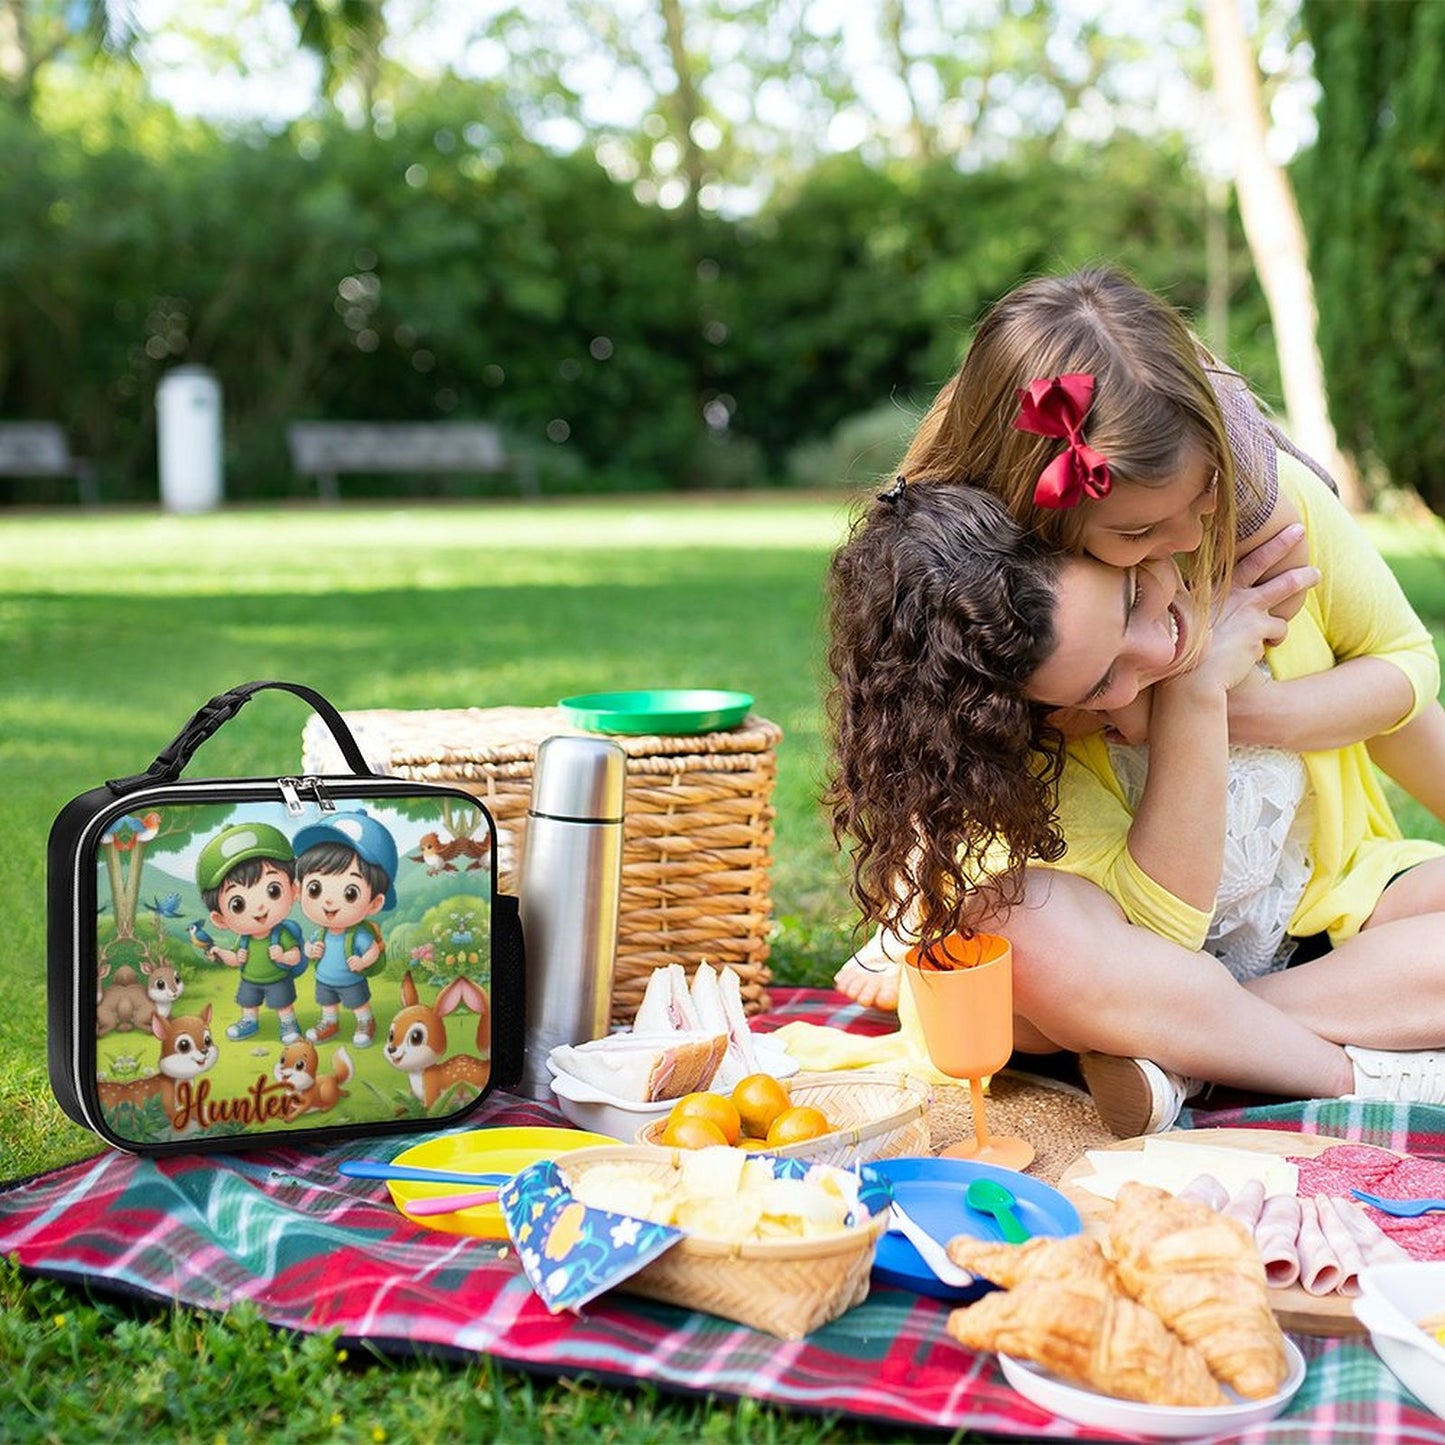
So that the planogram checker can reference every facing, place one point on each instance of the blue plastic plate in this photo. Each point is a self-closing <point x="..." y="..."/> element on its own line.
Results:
<point x="932" y="1191"/>
<point x="661" y="711"/>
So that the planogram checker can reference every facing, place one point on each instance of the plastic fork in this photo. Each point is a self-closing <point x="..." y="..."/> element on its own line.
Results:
<point x="1402" y="1208"/>
<point x="929" y="1249"/>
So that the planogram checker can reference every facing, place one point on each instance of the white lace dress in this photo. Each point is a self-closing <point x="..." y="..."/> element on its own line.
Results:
<point x="1266" y="852"/>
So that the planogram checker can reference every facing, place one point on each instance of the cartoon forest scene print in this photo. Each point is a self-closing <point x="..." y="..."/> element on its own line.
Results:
<point x="259" y="970"/>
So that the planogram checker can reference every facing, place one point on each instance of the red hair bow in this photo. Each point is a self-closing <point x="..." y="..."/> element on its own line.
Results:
<point x="1056" y="407"/>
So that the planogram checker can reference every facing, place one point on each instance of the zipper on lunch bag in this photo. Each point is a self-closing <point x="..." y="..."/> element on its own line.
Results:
<point x="292" y="789"/>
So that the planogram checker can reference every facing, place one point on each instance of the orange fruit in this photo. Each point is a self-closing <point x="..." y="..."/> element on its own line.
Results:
<point x="716" y="1108"/>
<point x="760" y="1098"/>
<point x="800" y="1122"/>
<point x="691" y="1133"/>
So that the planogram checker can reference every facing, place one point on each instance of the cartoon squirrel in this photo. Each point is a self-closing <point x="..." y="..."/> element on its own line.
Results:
<point x="299" y="1068"/>
<point x="187" y="1051"/>
<point x="417" y="1039"/>
<point x="127" y="1003"/>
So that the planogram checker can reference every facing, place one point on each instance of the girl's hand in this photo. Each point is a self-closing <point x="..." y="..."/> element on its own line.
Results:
<point x="1245" y="621"/>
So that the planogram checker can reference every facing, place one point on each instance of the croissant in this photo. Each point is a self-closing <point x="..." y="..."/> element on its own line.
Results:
<point x="1201" y="1273"/>
<point x="1079" y="1256"/>
<point x="1090" y="1335"/>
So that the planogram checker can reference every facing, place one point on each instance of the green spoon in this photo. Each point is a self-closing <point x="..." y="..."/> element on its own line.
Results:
<point x="990" y="1197"/>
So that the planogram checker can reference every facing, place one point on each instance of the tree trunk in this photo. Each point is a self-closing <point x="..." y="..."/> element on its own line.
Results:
<point x="1276" y="239"/>
<point x="686" y="108"/>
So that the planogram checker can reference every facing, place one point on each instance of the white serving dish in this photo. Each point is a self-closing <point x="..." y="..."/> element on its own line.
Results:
<point x="599" y="1112"/>
<point x="1154" y="1422"/>
<point x="589" y="1108"/>
<point x="1393" y="1299"/>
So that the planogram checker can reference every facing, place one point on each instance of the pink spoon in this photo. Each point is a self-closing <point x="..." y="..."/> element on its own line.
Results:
<point x="450" y="1203"/>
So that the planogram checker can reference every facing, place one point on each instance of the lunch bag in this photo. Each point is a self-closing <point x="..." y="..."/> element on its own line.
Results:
<point x="248" y="961"/>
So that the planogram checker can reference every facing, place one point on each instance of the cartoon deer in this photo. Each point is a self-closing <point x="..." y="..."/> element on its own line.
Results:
<point x="187" y="1051"/>
<point x="416" y="1042"/>
<point x="127" y="1003"/>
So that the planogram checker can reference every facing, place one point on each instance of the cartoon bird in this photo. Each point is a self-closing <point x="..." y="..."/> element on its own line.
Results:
<point x="200" y="939"/>
<point x="434" y="853"/>
<point x="167" y="907"/>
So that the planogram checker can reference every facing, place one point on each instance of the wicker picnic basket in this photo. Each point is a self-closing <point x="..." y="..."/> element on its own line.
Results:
<point x="875" y="1116"/>
<point x="697" y="836"/>
<point x="785" y="1287"/>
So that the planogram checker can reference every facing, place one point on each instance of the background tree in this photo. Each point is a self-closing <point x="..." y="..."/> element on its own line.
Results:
<point x="35" y="33"/>
<point x="1276" y="238"/>
<point x="1370" y="191"/>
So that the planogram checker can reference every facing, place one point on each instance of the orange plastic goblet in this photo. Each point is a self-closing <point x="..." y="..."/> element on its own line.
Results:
<point x="963" y="990"/>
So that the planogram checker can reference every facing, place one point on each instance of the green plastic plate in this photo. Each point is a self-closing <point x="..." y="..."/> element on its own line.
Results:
<point x="661" y="710"/>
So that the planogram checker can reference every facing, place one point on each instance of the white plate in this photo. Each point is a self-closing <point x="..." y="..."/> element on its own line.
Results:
<point x="1161" y="1422"/>
<point x="1394" y="1298"/>
<point x="773" y="1058"/>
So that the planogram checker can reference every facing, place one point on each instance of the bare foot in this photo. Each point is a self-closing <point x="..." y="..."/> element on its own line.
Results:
<point x="870" y="977"/>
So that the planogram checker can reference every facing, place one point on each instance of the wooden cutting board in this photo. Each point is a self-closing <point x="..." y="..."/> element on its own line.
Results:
<point x="1295" y="1308"/>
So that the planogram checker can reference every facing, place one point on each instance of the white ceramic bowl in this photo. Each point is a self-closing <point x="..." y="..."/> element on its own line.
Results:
<point x="599" y="1113"/>
<point x="1393" y="1299"/>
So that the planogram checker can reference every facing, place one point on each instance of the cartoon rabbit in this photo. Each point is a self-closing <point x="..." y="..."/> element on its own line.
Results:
<point x="416" y="1042"/>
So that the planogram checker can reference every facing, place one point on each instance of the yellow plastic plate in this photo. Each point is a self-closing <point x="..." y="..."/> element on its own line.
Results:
<point x="484" y="1151"/>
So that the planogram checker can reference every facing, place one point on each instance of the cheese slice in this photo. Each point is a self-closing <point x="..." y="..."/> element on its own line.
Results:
<point x="1171" y="1163"/>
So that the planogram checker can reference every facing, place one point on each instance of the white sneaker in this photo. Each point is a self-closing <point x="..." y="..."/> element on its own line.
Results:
<point x="1135" y="1096"/>
<point x="1407" y="1076"/>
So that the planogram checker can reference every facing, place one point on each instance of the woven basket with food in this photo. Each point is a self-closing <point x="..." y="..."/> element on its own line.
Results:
<point x="780" y="1248"/>
<point x="866" y="1116"/>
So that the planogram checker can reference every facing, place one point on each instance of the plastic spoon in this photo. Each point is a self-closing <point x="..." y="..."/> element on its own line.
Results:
<point x="988" y="1196"/>
<point x="382" y="1169"/>
<point x="450" y="1203"/>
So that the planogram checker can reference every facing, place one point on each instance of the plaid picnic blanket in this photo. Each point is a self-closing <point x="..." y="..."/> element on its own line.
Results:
<point x="314" y="1251"/>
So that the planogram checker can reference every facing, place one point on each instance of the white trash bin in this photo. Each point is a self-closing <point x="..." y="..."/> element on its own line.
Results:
<point x="188" y="425"/>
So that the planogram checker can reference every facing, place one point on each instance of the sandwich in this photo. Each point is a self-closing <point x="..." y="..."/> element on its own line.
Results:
<point x="713" y="1003"/>
<point x="645" y="1068"/>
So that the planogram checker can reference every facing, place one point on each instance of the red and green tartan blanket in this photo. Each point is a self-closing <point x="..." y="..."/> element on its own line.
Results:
<point x="314" y="1251"/>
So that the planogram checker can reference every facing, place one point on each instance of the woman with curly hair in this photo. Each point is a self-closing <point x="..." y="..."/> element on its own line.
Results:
<point x="956" y="640"/>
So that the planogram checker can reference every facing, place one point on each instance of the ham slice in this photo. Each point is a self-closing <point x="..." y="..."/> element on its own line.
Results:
<point x="1207" y="1190"/>
<point x="1376" y="1247"/>
<point x="1341" y="1242"/>
<point x="1276" y="1235"/>
<point x="1247" y="1204"/>
<point x="1320" y="1271"/>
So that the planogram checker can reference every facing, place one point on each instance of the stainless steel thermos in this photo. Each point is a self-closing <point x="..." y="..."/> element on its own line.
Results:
<point x="569" y="891"/>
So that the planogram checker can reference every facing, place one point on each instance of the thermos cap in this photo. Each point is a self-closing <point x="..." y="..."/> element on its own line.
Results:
<point x="582" y="778"/>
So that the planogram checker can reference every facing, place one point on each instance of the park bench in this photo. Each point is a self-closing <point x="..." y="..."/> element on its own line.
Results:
<point x="39" y="449"/>
<point x="326" y="450"/>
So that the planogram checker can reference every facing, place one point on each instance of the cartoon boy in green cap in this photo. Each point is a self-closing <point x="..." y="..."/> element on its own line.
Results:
<point x="247" y="878"/>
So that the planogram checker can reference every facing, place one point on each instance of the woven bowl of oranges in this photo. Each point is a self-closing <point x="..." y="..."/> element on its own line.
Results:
<point x="843" y="1118"/>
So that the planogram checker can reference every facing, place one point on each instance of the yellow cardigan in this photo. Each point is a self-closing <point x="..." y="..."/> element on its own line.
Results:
<point x="1358" y="610"/>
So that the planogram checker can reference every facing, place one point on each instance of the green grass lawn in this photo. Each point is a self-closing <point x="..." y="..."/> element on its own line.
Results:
<point x="114" y="628"/>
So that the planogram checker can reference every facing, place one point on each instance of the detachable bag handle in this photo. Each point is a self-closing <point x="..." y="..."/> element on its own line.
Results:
<point x="221" y="709"/>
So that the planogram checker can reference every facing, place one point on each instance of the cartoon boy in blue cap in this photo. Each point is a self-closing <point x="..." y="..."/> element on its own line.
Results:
<point x="345" y="867"/>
